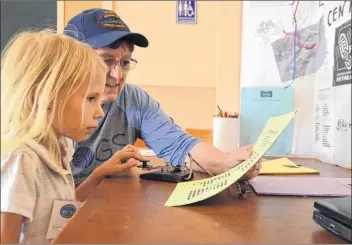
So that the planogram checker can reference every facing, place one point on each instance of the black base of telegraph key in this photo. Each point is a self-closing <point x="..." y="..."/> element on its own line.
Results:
<point x="145" y="165"/>
<point x="164" y="174"/>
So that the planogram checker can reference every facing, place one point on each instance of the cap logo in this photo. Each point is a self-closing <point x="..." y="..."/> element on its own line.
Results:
<point x="111" y="20"/>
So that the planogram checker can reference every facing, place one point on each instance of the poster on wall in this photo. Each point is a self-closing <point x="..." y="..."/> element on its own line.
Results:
<point x="342" y="54"/>
<point x="342" y="128"/>
<point x="324" y="124"/>
<point x="186" y="12"/>
<point x="309" y="55"/>
<point x="257" y="106"/>
<point x="305" y="45"/>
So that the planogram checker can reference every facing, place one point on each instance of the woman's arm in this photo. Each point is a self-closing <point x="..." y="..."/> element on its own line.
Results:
<point x="11" y="226"/>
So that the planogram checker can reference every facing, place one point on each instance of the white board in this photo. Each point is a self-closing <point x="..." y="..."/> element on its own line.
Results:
<point x="268" y="46"/>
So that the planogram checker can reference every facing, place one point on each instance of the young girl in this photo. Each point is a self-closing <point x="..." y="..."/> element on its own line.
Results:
<point x="51" y="88"/>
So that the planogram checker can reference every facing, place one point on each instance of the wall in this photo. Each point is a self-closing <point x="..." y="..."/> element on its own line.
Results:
<point x="189" y="69"/>
<point x="72" y="8"/>
<point x="38" y="14"/>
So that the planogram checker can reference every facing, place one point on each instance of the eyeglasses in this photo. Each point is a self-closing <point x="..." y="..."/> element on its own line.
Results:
<point x="125" y="64"/>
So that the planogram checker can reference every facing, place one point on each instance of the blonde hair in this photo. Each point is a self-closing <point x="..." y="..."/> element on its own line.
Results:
<point x="46" y="67"/>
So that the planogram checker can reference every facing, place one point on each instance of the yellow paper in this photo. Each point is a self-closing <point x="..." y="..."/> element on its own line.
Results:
<point x="284" y="166"/>
<point x="198" y="190"/>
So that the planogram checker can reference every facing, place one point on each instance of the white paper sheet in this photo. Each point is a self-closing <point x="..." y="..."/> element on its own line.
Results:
<point x="342" y="129"/>
<point x="324" y="125"/>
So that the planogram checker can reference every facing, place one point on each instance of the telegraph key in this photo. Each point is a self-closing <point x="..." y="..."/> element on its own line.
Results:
<point x="145" y="165"/>
<point x="166" y="173"/>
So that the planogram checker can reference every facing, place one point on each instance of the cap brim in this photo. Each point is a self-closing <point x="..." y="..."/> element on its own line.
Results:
<point x="108" y="38"/>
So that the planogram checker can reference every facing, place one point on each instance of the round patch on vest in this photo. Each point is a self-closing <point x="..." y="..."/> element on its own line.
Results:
<point x="67" y="211"/>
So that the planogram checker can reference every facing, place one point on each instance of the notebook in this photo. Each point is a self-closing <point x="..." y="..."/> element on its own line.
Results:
<point x="301" y="186"/>
<point x="257" y="106"/>
<point x="285" y="167"/>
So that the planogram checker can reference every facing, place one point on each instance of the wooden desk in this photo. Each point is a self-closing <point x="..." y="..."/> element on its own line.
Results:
<point x="125" y="209"/>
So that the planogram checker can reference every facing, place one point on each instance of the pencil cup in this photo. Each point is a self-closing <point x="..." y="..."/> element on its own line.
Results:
<point x="225" y="133"/>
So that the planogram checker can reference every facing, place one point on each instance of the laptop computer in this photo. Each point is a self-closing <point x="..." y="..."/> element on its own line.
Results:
<point x="335" y="215"/>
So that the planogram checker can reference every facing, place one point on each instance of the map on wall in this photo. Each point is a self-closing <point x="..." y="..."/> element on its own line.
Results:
<point x="310" y="51"/>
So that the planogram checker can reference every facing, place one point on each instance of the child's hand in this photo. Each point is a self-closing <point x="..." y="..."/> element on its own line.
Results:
<point x="113" y="165"/>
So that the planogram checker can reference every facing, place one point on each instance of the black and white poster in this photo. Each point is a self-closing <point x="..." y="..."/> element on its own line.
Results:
<point x="342" y="55"/>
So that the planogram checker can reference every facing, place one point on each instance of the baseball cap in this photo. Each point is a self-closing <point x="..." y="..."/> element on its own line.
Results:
<point x="100" y="28"/>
